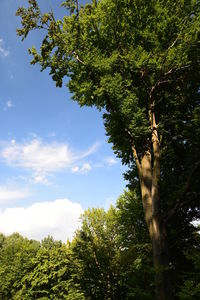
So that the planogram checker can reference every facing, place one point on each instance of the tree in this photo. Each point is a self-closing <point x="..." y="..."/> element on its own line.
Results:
<point x="113" y="262"/>
<point x="190" y="288"/>
<point x="50" y="276"/>
<point x="135" y="245"/>
<point x="139" y="61"/>
<point x="96" y="251"/>
<point x="16" y="253"/>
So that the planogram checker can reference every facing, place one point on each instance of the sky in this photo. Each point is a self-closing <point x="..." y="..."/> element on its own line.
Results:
<point x="55" y="161"/>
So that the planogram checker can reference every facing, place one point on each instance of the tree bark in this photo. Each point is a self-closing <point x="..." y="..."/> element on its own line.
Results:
<point x="161" y="261"/>
<point x="149" y="175"/>
<point x="159" y="235"/>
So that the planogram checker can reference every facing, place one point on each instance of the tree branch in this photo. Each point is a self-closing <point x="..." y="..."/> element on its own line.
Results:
<point x="162" y="80"/>
<point x="137" y="161"/>
<point x="180" y="200"/>
<point x="78" y="59"/>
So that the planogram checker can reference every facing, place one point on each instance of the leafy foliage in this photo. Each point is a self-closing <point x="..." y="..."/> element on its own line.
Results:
<point x="95" y="247"/>
<point x="104" y="261"/>
<point x="50" y="276"/>
<point x="109" y="258"/>
<point x="119" y="53"/>
<point x="113" y="253"/>
<point x="129" y="58"/>
<point x="16" y="253"/>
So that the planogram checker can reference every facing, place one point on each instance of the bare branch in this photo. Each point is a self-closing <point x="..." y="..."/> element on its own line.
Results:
<point x="162" y="80"/>
<point x="77" y="57"/>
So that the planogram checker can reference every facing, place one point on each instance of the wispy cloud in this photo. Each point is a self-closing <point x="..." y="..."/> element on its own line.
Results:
<point x="10" y="194"/>
<point x="59" y="218"/>
<point x="85" y="168"/>
<point x="110" y="161"/>
<point x="44" y="159"/>
<point x="3" y="51"/>
<point x="89" y="151"/>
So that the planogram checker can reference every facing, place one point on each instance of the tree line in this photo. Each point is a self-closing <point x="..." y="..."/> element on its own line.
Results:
<point x="109" y="258"/>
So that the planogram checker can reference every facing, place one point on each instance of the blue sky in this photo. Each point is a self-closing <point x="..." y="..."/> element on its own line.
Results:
<point x="54" y="157"/>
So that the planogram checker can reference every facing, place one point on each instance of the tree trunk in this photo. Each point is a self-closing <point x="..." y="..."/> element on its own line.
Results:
<point x="158" y="235"/>
<point x="161" y="261"/>
<point x="149" y="174"/>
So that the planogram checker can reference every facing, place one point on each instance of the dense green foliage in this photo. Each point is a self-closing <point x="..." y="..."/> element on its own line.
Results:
<point x="16" y="253"/>
<point x="119" y="54"/>
<point x="108" y="258"/>
<point x="129" y="58"/>
<point x="33" y="270"/>
<point x="118" y="268"/>
<point x="102" y="262"/>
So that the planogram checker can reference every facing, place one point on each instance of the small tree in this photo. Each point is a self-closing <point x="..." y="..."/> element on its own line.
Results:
<point x="139" y="61"/>
<point x="16" y="253"/>
<point x="50" y="276"/>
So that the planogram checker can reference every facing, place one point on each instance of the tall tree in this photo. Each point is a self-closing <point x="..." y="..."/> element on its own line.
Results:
<point x="139" y="61"/>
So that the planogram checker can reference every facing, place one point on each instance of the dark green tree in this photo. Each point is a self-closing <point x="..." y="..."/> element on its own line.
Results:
<point x="139" y="61"/>
<point x="189" y="288"/>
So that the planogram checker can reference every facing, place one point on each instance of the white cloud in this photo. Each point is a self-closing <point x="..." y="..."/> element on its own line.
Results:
<point x="86" y="167"/>
<point x="3" y="51"/>
<point x="75" y="169"/>
<point x="110" y="161"/>
<point x="40" y="178"/>
<point x="59" y="218"/>
<point x="9" y="104"/>
<point x="43" y="159"/>
<point x="10" y="194"/>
